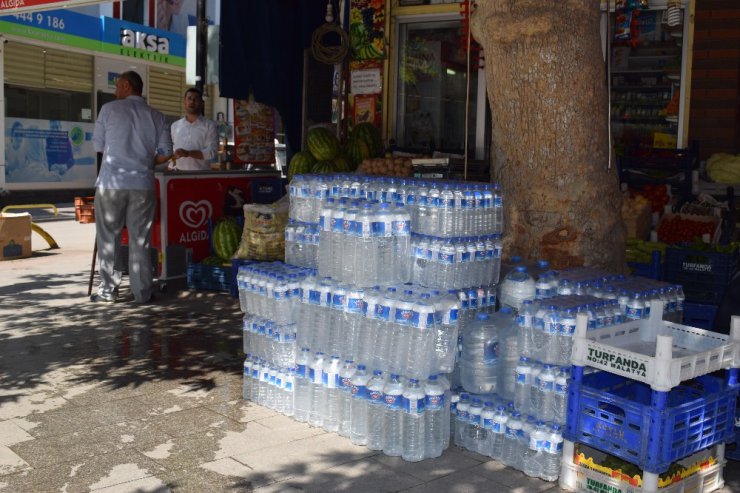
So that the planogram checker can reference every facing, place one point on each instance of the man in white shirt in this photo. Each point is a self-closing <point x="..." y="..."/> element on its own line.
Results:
<point x="132" y="136"/>
<point x="194" y="137"/>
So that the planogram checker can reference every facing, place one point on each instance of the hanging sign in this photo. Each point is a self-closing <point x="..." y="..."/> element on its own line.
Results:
<point x="366" y="81"/>
<point x="18" y="6"/>
<point x="254" y="133"/>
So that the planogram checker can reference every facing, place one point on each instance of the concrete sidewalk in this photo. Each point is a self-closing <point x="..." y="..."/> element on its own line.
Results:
<point x="129" y="398"/>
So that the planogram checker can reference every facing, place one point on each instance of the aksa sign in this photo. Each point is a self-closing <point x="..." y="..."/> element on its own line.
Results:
<point x="145" y="41"/>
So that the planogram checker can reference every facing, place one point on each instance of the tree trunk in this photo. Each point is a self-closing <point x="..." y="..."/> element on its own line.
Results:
<point x="546" y="84"/>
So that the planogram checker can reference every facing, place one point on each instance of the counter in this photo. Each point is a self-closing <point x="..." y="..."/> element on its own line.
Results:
<point x="190" y="202"/>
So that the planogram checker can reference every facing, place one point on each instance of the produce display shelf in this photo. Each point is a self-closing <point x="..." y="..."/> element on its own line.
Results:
<point x="656" y="352"/>
<point x="617" y="415"/>
<point x="581" y="472"/>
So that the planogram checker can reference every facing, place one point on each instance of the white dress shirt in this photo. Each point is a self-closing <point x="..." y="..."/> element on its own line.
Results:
<point x="201" y="135"/>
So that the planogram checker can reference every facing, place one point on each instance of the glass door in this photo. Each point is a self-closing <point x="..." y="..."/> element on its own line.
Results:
<point x="431" y="87"/>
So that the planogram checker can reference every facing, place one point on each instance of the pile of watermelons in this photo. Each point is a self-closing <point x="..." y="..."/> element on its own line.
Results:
<point x="325" y="154"/>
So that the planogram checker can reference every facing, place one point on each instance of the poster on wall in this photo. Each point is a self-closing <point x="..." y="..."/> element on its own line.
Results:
<point x="254" y="133"/>
<point x="367" y="29"/>
<point x="47" y="154"/>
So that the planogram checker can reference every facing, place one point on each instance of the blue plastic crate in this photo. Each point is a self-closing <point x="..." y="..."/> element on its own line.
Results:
<point x="614" y="414"/>
<point x="703" y="275"/>
<point x="698" y="315"/>
<point x="652" y="269"/>
<point x="209" y="277"/>
<point x="235" y="264"/>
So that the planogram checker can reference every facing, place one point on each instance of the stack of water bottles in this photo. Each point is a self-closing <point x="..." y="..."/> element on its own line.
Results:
<point x="493" y="427"/>
<point x="455" y="263"/>
<point x="364" y="242"/>
<point x="404" y="329"/>
<point x="302" y="244"/>
<point x="444" y="209"/>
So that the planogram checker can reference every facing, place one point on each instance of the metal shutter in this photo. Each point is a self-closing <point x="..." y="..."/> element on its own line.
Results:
<point x="24" y="65"/>
<point x="165" y="91"/>
<point x="69" y="71"/>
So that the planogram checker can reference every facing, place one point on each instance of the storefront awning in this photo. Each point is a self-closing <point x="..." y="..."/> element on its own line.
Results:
<point x="19" y="6"/>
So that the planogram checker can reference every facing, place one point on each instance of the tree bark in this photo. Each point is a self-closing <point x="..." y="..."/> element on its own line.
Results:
<point x="546" y="85"/>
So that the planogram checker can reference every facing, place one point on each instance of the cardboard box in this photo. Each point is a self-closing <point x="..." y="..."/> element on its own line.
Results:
<point x="15" y="236"/>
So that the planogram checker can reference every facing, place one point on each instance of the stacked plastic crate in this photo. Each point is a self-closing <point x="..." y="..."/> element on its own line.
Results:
<point x="642" y="392"/>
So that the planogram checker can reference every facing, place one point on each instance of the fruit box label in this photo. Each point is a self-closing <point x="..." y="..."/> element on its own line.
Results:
<point x="597" y="487"/>
<point x="616" y="362"/>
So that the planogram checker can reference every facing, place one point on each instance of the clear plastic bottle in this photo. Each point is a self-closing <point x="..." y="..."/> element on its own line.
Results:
<point x="680" y="299"/>
<point x="552" y="453"/>
<point x="533" y="456"/>
<point x="566" y="330"/>
<point x="393" y="420"/>
<point x="498" y="433"/>
<point x="546" y="390"/>
<point x="447" y="213"/>
<point x="560" y="401"/>
<point x="523" y="379"/>
<point x="402" y="255"/>
<point x="414" y="421"/>
<point x="382" y="247"/>
<point x="435" y="416"/>
<point x="461" y="419"/>
<point x="635" y="307"/>
<point x="247" y="377"/>
<point x="289" y="392"/>
<point x="329" y="380"/>
<point x="317" y="391"/>
<point x="479" y="360"/>
<point x="486" y="417"/>
<point x="525" y="321"/>
<point x="354" y="311"/>
<point x="551" y="351"/>
<point x="517" y="286"/>
<point x="474" y="431"/>
<point x="498" y="208"/>
<point x="359" y="405"/>
<point x="344" y="386"/>
<point x="376" y="412"/>
<point x="510" y="452"/>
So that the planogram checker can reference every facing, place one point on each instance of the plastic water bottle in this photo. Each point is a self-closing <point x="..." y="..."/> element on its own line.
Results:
<point x="302" y="386"/>
<point x="498" y="433"/>
<point x="317" y="390"/>
<point x="479" y="361"/>
<point x="414" y="422"/>
<point x="247" y="378"/>
<point x="461" y="419"/>
<point x="289" y="392"/>
<point x="359" y="406"/>
<point x="551" y="324"/>
<point x="486" y="418"/>
<point x="680" y="299"/>
<point x="474" y="432"/>
<point x="523" y="379"/>
<point x="454" y="400"/>
<point x="344" y="386"/>
<point x="330" y="383"/>
<point x="510" y="454"/>
<point x="566" y="330"/>
<point x="546" y="389"/>
<point x="376" y="412"/>
<point x="517" y="286"/>
<point x="383" y="247"/>
<point x="635" y="307"/>
<point x="393" y="421"/>
<point x="435" y="417"/>
<point x="354" y="311"/>
<point x="402" y="257"/>
<point x="525" y="321"/>
<point x="533" y="457"/>
<point x="552" y="452"/>
<point x="560" y="401"/>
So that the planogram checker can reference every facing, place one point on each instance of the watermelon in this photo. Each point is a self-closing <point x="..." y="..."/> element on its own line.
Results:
<point x="226" y="237"/>
<point x="342" y="164"/>
<point x="357" y="151"/>
<point x="322" y="144"/>
<point x="300" y="163"/>
<point x="324" y="167"/>
<point x="367" y="133"/>
<point x="213" y="260"/>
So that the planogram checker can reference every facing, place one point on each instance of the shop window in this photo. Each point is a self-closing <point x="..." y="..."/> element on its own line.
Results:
<point x="166" y="89"/>
<point x="48" y="84"/>
<point x="432" y="86"/>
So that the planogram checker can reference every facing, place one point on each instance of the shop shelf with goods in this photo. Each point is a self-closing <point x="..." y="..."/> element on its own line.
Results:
<point x="655" y="166"/>
<point x="590" y="470"/>
<point x="652" y="402"/>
